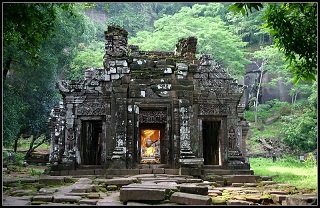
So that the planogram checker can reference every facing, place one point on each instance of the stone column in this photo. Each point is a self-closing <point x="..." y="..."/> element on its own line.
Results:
<point x="189" y="163"/>
<point x="118" y="158"/>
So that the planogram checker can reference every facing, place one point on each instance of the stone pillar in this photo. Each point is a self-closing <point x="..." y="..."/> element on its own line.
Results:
<point x="118" y="158"/>
<point x="130" y="136"/>
<point x="190" y="165"/>
<point x="176" y="133"/>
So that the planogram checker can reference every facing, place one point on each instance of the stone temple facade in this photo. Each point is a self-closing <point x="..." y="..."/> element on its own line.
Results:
<point x="147" y="110"/>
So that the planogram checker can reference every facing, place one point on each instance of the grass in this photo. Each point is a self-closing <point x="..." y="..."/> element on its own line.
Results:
<point x="288" y="170"/>
<point x="25" y="143"/>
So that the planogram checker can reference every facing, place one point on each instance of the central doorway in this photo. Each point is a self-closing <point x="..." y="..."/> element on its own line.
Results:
<point x="151" y="144"/>
<point x="211" y="142"/>
<point x="91" y="142"/>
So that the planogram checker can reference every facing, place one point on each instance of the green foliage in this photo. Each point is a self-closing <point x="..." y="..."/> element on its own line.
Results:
<point x="292" y="26"/>
<point x="87" y="55"/>
<point x="14" y="113"/>
<point x="269" y="109"/>
<point x="288" y="170"/>
<point x="301" y="127"/>
<point x="27" y="25"/>
<point x="30" y="87"/>
<point x="244" y="7"/>
<point x="213" y="36"/>
<point x="136" y="16"/>
<point x="301" y="131"/>
<point x="35" y="172"/>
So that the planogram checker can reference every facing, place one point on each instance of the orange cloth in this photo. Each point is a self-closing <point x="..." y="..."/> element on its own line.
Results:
<point x="153" y="134"/>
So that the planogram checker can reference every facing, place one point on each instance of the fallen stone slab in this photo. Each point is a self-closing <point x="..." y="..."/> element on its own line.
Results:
<point x="44" y="198"/>
<point x="88" y="202"/>
<point x="16" y="201"/>
<point x="218" y="200"/>
<point x="152" y="186"/>
<point x="193" y="189"/>
<point x="277" y="198"/>
<point x="93" y="195"/>
<point x="47" y="190"/>
<point x="15" y="181"/>
<point x="190" y="199"/>
<point x="267" y="182"/>
<point x="82" y="188"/>
<point x="63" y="198"/>
<point x="254" y="198"/>
<point x="218" y="192"/>
<point x="52" y="180"/>
<point x="76" y="194"/>
<point x="250" y="184"/>
<point x="139" y="194"/>
<point x="301" y="200"/>
<point x="84" y="181"/>
<point x="242" y="178"/>
<point x="278" y="192"/>
<point x="120" y="181"/>
<point x="189" y="180"/>
<point x="238" y="202"/>
<point x="26" y="192"/>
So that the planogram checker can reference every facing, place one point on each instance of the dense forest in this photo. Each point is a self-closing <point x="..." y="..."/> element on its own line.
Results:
<point x="45" y="42"/>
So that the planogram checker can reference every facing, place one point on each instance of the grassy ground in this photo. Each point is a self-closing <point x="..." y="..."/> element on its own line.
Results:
<point x="288" y="170"/>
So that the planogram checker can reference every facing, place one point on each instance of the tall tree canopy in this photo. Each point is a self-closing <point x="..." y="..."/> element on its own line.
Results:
<point x="29" y="88"/>
<point x="293" y="27"/>
<point x="26" y="26"/>
<point x="201" y="21"/>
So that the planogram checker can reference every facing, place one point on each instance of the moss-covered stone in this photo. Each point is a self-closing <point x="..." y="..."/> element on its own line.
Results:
<point x="112" y="187"/>
<point x="218" y="200"/>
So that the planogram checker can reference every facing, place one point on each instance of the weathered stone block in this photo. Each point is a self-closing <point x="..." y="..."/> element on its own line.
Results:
<point x="44" y="198"/>
<point x="192" y="189"/>
<point x="190" y="199"/>
<point x="145" y="171"/>
<point x="158" y="170"/>
<point x="71" y="199"/>
<point x="138" y="194"/>
<point x="310" y="199"/>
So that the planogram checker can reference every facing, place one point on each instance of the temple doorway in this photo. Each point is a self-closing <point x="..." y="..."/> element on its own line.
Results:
<point x="211" y="142"/>
<point x="150" y="144"/>
<point x="91" y="142"/>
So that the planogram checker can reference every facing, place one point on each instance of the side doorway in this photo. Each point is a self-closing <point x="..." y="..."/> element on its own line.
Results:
<point x="91" y="142"/>
<point x="211" y="136"/>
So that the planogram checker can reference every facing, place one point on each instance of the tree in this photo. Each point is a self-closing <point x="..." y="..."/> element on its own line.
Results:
<point x="293" y="28"/>
<point x="29" y="89"/>
<point x="300" y="130"/>
<point x="214" y="37"/>
<point x="26" y="26"/>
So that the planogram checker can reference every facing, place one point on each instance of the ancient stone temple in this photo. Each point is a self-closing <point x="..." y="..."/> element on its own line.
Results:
<point x="149" y="111"/>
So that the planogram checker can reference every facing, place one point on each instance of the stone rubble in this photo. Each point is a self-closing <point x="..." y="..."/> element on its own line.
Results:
<point x="150" y="189"/>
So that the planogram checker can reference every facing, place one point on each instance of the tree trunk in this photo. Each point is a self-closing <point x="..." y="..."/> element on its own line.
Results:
<point x="7" y="67"/>
<point x="257" y="96"/>
<point x="32" y="148"/>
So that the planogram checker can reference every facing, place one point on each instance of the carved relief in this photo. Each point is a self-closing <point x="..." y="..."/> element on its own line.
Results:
<point x="70" y="138"/>
<point x="152" y="116"/>
<point x="213" y="109"/>
<point x="232" y="138"/>
<point x="92" y="109"/>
